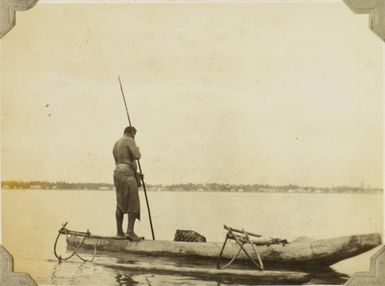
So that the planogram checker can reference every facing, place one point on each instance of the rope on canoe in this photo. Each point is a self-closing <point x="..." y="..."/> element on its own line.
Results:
<point x="231" y="260"/>
<point x="240" y="243"/>
<point x="243" y="238"/>
<point x="85" y="235"/>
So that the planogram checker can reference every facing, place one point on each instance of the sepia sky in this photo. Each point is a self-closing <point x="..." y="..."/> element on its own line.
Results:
<point x="229" y="93"/>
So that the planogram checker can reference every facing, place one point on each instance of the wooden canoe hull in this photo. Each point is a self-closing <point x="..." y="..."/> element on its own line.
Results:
<point x="323" y="252"/>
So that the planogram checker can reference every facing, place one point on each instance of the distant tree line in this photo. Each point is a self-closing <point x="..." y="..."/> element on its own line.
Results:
<point x="54" y="185"/>
<point x="264" y="188"/>
<point x="190" y="187"/>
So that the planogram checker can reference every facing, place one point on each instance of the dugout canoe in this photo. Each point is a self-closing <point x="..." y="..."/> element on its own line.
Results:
<point x="323" y="252"/>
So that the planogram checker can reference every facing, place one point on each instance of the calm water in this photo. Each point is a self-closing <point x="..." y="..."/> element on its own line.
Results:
<point x="31" y="219"/>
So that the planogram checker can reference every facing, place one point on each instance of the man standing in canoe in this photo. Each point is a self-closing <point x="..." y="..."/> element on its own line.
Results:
<point x="127" y="181"/>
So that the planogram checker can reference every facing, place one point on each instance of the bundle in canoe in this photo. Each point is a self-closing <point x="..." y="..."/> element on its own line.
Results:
<point x="324" y="252"/>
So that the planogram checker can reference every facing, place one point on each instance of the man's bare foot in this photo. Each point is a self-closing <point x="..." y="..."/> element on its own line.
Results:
<point x="133" y="236"/>
<point x="120" y="234"/>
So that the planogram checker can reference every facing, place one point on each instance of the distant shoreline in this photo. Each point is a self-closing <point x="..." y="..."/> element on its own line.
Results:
<point x="210" y="191"/>
<point x="213" y="187"/>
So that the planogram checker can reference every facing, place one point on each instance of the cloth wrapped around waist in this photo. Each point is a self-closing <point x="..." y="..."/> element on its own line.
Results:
<point x="128" y="170"/>
<point x="127" y="197"/>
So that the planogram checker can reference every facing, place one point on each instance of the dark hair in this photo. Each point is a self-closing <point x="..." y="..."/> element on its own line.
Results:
<point x="130" y="130"/>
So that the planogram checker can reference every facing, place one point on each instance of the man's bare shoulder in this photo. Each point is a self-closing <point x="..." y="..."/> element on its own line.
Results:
<point x="127" y="140"/>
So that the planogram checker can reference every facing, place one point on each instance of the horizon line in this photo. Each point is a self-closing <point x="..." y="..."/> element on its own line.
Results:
<point x="363" y="186"/>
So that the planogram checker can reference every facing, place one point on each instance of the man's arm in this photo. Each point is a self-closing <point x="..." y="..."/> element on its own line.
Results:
<point x="114" y="154"/>
<point x="134" y="149"/>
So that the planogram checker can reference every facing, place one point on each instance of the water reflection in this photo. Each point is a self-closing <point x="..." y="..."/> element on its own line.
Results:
<point x="76" y="273"/>
<point x="126" y="280"/>
<point x="53" y="274"/>
<point x="110" y="270"/>
<point x="320" y="275"/>
<point x="328" y="276"/>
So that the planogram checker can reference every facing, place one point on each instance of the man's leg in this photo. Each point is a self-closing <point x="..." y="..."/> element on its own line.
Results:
<point x="130" y="227"/>
<point x="119" y="222"/>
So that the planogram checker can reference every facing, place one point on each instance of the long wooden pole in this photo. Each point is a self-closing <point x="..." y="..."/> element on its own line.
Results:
<point x="140" y="167"/>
